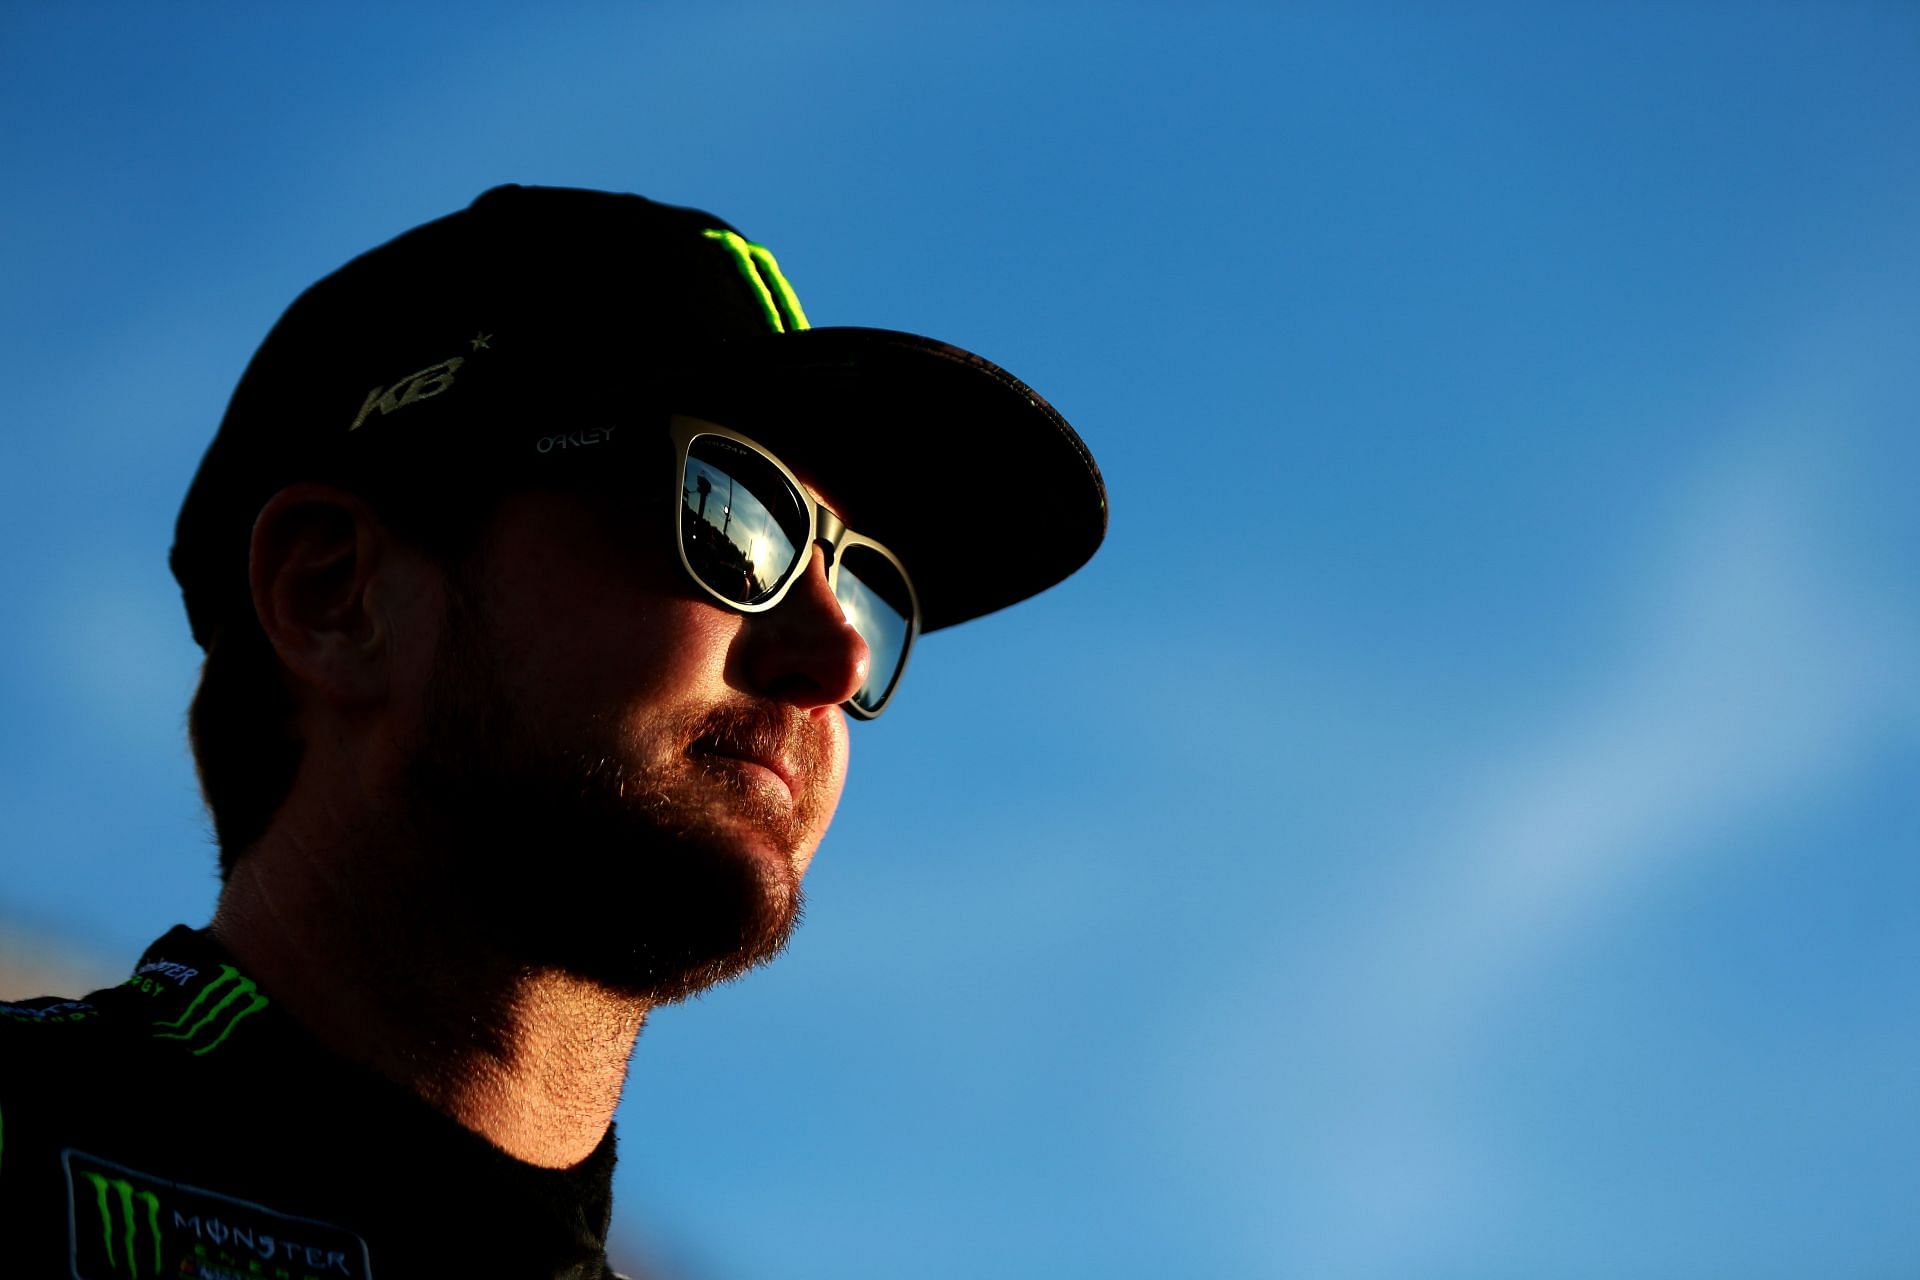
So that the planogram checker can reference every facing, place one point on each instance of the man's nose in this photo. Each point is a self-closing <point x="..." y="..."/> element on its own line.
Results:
<point x="803" y="651"/>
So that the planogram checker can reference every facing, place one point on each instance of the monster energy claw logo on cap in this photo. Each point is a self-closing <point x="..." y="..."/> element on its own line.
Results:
<point x="762" y="274"/>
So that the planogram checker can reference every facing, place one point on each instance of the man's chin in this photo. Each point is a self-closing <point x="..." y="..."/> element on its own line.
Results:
<point x="669" y="927"/>
<point x="661" y="962"/>
<point x="662" y="928"/>
<point x="657" y="900"/>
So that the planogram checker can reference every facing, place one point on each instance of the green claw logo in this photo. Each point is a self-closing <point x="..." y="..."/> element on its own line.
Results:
<point x="127" y="1225"/>
<point x="226" y="1013"/>
<point x="130" y="1213"/>
<point x="762" y="274"/>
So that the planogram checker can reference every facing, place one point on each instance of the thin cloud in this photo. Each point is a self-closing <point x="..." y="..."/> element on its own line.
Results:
<point x="1756" y="670"/>
<point x="1756" y="675"/>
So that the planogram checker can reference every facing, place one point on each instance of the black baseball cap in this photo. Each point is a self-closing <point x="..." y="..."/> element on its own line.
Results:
<point x="546" y="328"/>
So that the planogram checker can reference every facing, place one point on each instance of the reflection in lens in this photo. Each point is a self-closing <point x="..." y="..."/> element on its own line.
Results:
<point x="874" y="598"/>
<point x="740" y="521"/>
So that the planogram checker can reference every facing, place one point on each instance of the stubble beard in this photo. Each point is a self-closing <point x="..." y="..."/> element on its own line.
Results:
<point x="655" y="875"/>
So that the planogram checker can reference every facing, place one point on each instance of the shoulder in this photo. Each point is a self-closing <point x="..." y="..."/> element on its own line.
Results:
<point x="52" y="1051"/>
<point x="45" y="1011"/>
<point x="44" y="1038"/>
<point x="50" y="1046"/>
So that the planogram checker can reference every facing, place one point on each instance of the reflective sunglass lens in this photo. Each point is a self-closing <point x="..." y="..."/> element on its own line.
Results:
<point x="874" y="597"/>
<point x="741" y="522"/>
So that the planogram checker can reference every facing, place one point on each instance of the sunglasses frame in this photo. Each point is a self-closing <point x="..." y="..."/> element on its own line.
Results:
<point x="825" y="529"/>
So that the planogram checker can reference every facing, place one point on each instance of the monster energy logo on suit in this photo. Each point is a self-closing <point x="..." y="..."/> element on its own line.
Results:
<point x="127" y="1225"/>
<point x="132" y="1214"/>
<point x="216" y="1019"/>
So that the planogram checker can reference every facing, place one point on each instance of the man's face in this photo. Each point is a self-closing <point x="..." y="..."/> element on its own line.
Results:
<point x="629" y="779"/>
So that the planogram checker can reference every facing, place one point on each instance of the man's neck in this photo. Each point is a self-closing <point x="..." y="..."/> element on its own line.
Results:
<point x="530" y="1059"/>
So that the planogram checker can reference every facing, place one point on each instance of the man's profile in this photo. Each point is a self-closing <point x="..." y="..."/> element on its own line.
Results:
<point x="540" y="560"/>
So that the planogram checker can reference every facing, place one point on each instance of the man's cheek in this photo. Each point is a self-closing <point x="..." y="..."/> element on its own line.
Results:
<point x="833" y="780"/>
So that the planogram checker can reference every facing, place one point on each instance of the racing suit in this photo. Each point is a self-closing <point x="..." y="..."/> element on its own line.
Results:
<point x="181" y="1124"/>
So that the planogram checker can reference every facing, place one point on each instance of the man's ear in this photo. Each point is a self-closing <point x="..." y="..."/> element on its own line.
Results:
<point x="316" y="554"/>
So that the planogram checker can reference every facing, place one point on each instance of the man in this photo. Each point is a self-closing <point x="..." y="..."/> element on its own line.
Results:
<point x="539" y="561"/>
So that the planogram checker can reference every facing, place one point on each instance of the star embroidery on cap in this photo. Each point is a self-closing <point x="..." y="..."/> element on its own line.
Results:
<point x="481" y="341"/>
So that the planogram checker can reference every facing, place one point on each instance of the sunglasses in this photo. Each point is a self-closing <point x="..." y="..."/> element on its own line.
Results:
<point x="747" y="528"/>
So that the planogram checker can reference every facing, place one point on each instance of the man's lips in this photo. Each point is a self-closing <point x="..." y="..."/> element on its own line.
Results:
<point x="778" y="768"/>
<point x="772" y="761"/>
<point x="776" y="746"/>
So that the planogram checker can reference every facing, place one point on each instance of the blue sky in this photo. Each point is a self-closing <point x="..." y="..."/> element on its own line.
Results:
<point x="1461" y="825"/>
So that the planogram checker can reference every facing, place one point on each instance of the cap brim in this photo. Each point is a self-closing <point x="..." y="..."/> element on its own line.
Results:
<point x="981" y="488"/>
